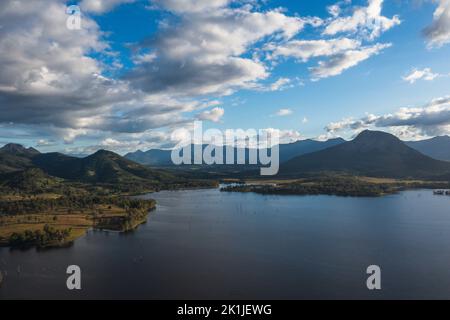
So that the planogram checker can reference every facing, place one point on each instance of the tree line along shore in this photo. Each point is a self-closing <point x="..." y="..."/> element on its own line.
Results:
<point x="57" y="221"/>
<point x="346" y="186"/>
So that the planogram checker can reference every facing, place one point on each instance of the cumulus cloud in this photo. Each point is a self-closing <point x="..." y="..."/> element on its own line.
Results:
<point x="203" y="52"/>
<point x="57" y="83"/>
<point x="125" y="143"/>
<point x="260" y="138"/>
<point x="430" y="120"/>
<point x="189" y="6"/>
<point x="417" y="74"/>
<point x="144" y="58"/>
<point x="285" y="136"/>
<point x="280" y="84"/>
<point x="47" y="74"/>
<point x="45" y="143"/>
<point x="350" y="48"/>
<point x="367" y="22"/>
<point x="337" y="64"/>
<point x="213" y="115"/>
<point x="283" y="112"/>
<point x="50" y="79"/>
<point x="343" y="54"/>
<point x="304" y="50"/>
<point x="438" y="33"/>
<point x="101" y="6"/>
<point x="334" y="10"/>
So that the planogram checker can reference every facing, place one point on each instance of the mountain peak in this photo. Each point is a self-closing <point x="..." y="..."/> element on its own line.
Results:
<point x="437" y="147"/>
<point x="369" y="134"/>
<point x="376" y="139"/>
<point x="18" y="149"/>
<point x="104" y="152"/>
<point x="371" y="153"/>
<point x="13" y="147"/>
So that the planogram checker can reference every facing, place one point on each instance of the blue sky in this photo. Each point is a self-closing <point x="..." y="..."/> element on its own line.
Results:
<point x="138" y="69"/>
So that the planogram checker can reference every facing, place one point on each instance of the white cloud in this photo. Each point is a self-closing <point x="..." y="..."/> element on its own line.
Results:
<point x="285" y="136"/>
<point x="344" y="124"/>
<point x="348" y="49"/>
<point x="280" y="85"/>
<point x="334" y="10"/>
<point x="144" y="58"/>
<point x="101" y="6"/>
<point x="44" y="143"/>
<point x="343" y="54"/>
<point x="424" y="74"/>
<point x="438" y="33"/>
<point x="208" y="52"/>
<point x="304" y="50"/>
<point x="337" y="64"/>
<point x="367" y="22"/>
<point x="110" y="142"/>
<point x="283" y="112"/>
<point x="189" y="6"/>
<point x="213" y="115"/>
<point x="430" y="120"/>
<point x="47" y="72"/>
<point x="125" y="143"/>
<point x="54" y="82"/>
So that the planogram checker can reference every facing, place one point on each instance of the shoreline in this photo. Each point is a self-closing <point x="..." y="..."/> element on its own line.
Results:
<point x="342" y="186"/>
<point x="110" y="218"/>
<point x="58" y="230"/>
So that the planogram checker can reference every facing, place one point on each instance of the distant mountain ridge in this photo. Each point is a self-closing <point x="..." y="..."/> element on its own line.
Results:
<point x="437" y="147"/>
<point x="301" y="147"/>
<point x="154" y="157"/>
<point x="158" y="157"/>
<point x="100" y="167"/>
<point x="371" y="153"/>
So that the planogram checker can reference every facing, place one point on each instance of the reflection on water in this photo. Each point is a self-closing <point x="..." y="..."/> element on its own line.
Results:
<point x="204" y="244"/>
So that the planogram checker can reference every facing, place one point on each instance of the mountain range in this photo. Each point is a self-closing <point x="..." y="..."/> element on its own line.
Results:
<point x="371" y="153"/>
<point x="158" y="157"/>
<point x="437" y="147"/>
<point x="100" y="167"/>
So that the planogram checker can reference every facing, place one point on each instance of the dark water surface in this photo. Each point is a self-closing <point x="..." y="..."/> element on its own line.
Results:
<point x="204" y="244"/>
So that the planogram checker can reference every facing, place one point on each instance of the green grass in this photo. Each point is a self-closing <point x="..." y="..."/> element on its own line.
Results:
<point x="118" y="215"/>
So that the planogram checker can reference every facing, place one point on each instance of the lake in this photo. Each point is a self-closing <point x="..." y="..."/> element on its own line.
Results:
<point x="204" y="244"/>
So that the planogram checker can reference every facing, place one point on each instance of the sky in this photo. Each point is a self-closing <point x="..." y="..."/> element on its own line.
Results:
<point x="133" y="71"/>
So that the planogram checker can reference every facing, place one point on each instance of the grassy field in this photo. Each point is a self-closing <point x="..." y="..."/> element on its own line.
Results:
<point x="78" y="221"/>
<point x="15" y="197"/>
